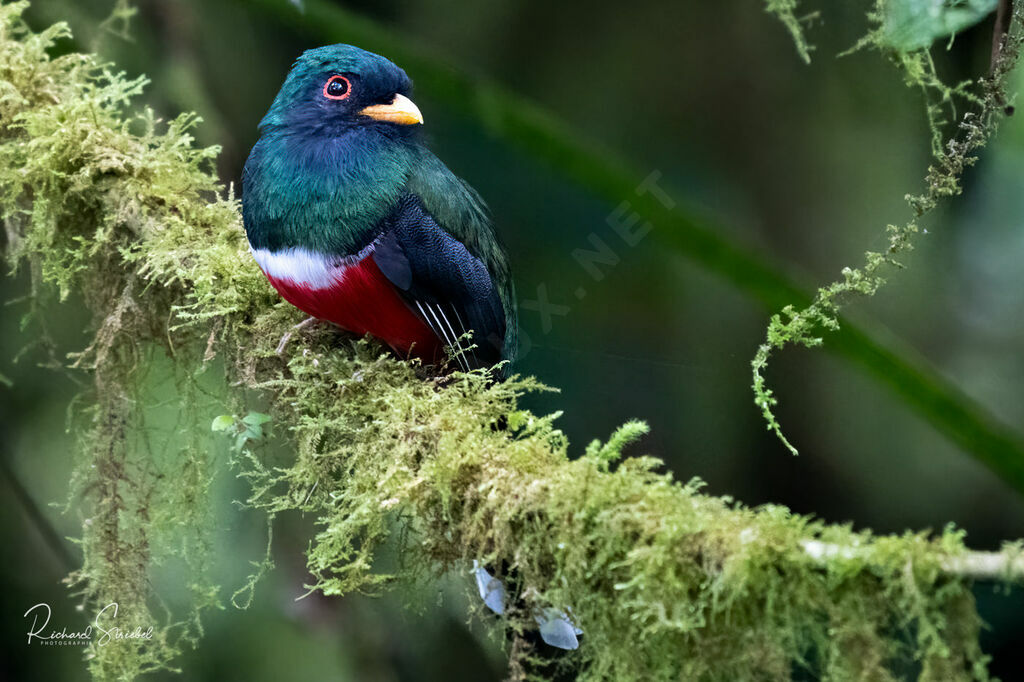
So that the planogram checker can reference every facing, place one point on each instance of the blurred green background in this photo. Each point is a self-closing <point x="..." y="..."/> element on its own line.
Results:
<point x="807" y="164"/>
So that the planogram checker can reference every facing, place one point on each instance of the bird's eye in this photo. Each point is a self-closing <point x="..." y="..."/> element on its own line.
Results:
<point x="337" y="87"/>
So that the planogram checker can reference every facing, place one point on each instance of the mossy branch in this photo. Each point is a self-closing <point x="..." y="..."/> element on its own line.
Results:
<point x="121" y="210"/>
<point x="1007" y="565"/>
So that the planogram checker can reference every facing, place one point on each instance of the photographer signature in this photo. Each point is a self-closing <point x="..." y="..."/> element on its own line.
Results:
<point x="106" y="631"/>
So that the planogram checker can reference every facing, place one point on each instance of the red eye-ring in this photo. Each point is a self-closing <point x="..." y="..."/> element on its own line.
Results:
<point x="337" y="87"/>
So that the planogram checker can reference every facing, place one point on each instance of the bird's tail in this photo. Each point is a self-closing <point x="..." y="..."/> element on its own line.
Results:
<point x="555" y="626"/>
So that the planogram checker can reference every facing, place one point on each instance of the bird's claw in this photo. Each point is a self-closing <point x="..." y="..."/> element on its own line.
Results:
<point x="288" y="335"/>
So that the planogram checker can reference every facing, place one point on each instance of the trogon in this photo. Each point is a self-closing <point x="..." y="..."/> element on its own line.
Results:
<point x="355" y="221"/>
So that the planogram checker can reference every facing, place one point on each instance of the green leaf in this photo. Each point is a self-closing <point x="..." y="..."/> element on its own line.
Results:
<point x="256" y="418"/>
<point x="225" y="422"/>
<point x="909" y="25"/>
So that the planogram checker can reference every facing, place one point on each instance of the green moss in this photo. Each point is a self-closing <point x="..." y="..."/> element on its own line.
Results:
<point x="907" y="42"/>
<point x="667" y="582"/>
<point x="785" y="10"/>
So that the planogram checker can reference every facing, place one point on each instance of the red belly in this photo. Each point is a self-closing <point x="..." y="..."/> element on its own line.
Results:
<point x="365" y="302"/>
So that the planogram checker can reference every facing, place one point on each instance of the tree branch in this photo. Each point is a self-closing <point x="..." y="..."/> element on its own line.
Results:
<point x="1004" y="566"/>
<point x="1004" y="16"/>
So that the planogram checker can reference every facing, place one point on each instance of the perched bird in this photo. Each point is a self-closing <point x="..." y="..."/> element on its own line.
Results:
<point x="355" y="221"/>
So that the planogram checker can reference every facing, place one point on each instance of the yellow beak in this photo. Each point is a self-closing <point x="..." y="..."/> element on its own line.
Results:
<point x="401" y="111"/>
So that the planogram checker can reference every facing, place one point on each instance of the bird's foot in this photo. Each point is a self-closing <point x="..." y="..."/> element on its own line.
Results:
<point x="288" y="335"/>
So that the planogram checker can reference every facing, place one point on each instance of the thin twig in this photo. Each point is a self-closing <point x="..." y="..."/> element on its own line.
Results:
<point x="1004" y="15"/>
<point x="973" y="565"/>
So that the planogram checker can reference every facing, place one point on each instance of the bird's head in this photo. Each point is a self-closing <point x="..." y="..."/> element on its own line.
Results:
<point x="338" y="88"/>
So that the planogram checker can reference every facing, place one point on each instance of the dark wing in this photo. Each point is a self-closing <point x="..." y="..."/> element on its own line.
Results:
<point x="442" y="282"/>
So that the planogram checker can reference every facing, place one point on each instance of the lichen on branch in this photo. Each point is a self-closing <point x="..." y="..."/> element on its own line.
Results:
<point x="104" y="203"/>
